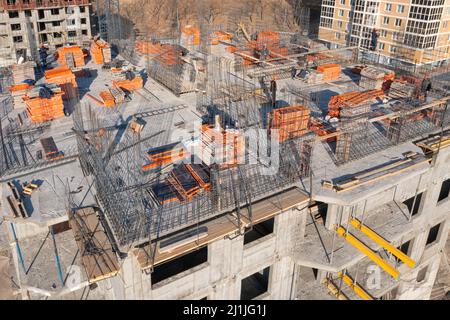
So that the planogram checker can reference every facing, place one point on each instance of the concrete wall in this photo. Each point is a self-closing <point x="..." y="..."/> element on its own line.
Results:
<point x="229" y="261"/>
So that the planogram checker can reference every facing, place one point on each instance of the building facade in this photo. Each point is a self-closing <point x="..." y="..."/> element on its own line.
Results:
<point x="412" y="31"/>
<point x="25" y="25"/>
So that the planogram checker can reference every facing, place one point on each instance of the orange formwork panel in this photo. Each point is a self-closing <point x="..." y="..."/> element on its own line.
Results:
<point x="268" y="38"/>
<point x="227" y="146"/>
<point x="290" y="122"/>
<point x="96" y="51"/>
<point x="164" y="157"/>
<point x="129" y="85"/>
<point x="193" y="33"/>
<point x="20" y="87"/>
<point x="331" y="71"/>
<point x="75" y="51"/>
<point x="165" y="53"/>
<point x="65" y="78"/>
<point x="220" y="36"/>
<point x="108" y="98"/>
<point x="147" y="47"/>
<point x="45" y="109"/>
<point x="351" y="100"/>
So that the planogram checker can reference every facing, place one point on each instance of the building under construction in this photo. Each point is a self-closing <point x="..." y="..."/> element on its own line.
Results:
<point x="225" y="162"/>
<point x="26" y="26"/>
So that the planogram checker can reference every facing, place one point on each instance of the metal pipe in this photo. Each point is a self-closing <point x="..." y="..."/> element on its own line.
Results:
<point x="19" y="252"/>
<point x="58" y="263"/>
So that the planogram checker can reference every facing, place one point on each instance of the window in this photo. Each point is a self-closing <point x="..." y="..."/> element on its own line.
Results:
<point x="393" y="49"/>
<point x="410" y="203"/>
<point x="400" y="8"/>
<point x="82" y="9"/>
<point x="422" y="274"/>
<point x="386" y="20"/>
<point x="28" y="13"/>
<point x="394" y="35"/>
<point x="339" y="24"/>
<point x="383" y="33"/>
<point x="57" y="35"/>
<point x="338" y="35"/>
<point x="13" y="14"/>
<point x="382" y="46"/>
<point x="398" y="22"/>
<point x="56" y="23"/>
<point x="433" y="234"/>
<point x="84" y="32"/>
<point x="403" y="248"/>
<point x="54" y="12"/>
<point x="255" y="285"/>
<point x="72" y="34"/>
<point x="341" y="13"/>
<point x="83" y="20"/>
<point x="445" y="190"/>
<point x="17" y="39"/>
<point x="71" y="22"/>
<point x="259" y="231"/>
<point x="15" y="27"/>
<point x="388" y="7"/>
<point x="185" y="262"/>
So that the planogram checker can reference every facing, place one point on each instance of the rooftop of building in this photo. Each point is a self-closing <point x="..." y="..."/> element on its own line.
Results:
<point x="101" y="141"/>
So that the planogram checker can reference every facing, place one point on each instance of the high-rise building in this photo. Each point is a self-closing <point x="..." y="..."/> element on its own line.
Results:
<point x="26" y="24"/>
<point x="411" y="31"/>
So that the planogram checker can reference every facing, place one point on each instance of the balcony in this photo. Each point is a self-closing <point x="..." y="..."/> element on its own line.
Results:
<point x="35" y="4"/>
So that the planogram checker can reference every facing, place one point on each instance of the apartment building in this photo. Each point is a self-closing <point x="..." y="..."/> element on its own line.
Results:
<point x="27" y="24"/>
<point x="412" y="31"/>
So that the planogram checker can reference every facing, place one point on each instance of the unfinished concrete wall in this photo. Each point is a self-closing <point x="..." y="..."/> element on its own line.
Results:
<point x="229" y="261"/>
<point x="25" y="30"/>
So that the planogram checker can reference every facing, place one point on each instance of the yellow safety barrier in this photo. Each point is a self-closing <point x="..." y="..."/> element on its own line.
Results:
<point x="355" y="287"/>
<point x="382" y="242"/>
<point x="334" y="290"/>
<point x="368" y="252"/>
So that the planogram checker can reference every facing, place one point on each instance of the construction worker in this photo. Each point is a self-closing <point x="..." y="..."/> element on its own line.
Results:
<point x="426" y="85"/>
<point x="374" y="39"/>
<point x="293" y="72"/>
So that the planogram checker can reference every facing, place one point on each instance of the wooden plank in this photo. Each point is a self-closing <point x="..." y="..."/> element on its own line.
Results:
<point x="267" y="208"/>
<point x="360" y="179"/>
<point x="12" y="205"/>
<point x="253" y="58"/>
<point x="97" y="255"/>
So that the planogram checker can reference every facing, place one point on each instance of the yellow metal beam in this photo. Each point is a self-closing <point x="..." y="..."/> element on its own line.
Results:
<point x="368" y="252"/>
<point x="334" y="290"/>
<point x="355" y="287"/>
<point x="382" y="242"/>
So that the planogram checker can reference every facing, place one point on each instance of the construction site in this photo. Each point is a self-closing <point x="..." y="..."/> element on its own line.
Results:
<point x="226" y="162"/>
